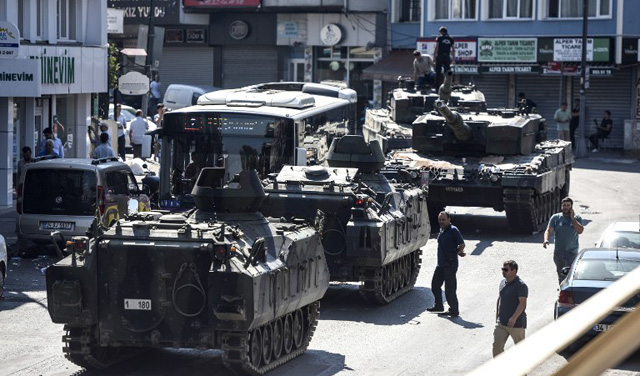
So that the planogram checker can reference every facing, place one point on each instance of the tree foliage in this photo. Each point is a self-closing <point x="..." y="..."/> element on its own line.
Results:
<point x="114" y="66"/>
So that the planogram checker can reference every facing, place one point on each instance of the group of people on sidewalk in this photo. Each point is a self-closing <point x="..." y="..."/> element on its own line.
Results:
<point x="567" y="122"/>
<point x="511" y="317"/>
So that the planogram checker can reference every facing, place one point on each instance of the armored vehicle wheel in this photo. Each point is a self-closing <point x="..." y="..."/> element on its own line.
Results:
<point x="298" y="329"/>
<point x="255" y="349"/>
<point x="385" y="284"/>
<point x="267" y="343"/>
<point x="277" y="338"/>
<point x="287" y="334"/>
<point x="528" y="211"/>
<point x="564" y="191"/>
<point x="81" y="348"/>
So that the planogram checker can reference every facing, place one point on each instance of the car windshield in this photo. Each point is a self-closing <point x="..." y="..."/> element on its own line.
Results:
<point x="59" y="192"/>
<point x="622" y="239"/>
<point x="603" y="269"/>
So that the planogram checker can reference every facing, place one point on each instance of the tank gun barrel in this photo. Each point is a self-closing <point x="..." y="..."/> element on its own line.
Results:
<point x="460" y="130"/>
<point x="444" y="91"/>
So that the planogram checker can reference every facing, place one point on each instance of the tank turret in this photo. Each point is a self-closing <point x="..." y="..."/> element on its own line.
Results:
<point x="444" y="91"/>
<point x="454" y="121"/>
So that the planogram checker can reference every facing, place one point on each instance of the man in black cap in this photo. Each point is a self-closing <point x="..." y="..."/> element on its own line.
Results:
<point x="445" y="54"/>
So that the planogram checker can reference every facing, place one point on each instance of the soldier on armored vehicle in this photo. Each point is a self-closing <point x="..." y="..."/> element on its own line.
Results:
<point x="221" y="277"/>
<point x="372" y="230"/>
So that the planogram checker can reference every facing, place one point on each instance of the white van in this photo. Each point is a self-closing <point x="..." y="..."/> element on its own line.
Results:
<point x="178" y="96"/>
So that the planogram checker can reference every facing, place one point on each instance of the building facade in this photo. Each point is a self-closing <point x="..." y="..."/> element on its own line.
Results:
<point x="54" y="57"/>
<point x="533" y="46"/>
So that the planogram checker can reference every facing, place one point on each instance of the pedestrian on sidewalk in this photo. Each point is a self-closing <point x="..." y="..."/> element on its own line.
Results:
<point x="562" y="118"/>
<point x="26" y="158"/>
<point x="602" y="131"/>
<point x="575" y="121"/>
<point x="450" y="246"/>
<point x="138" y="127"/>
<point x="104" y="150"/>
<point x="58" y="148"/>
<point x="122" y="128"/>
<point x="511" y="319"/>
<point x="566" y="226"/>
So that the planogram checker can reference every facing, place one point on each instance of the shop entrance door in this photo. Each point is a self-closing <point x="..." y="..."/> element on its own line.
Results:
<point x="296" y="70"/>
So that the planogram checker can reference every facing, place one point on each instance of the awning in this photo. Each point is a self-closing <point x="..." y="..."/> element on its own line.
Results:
<point x="397" y="63"/>
<point x="134" y="52"/>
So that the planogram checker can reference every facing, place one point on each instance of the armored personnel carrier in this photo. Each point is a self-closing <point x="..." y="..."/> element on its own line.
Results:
<point x="221" y="277"/>
<point x="496" y="158"/>
<point x="392" y="126"/>
<point x="372" y="230"/>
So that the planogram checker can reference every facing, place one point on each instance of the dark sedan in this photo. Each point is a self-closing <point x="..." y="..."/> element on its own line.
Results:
<point x="593" y="270"/>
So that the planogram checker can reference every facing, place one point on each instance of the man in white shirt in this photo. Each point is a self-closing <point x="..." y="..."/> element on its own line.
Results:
<point x="136" y="134"/>
<point x="122" y="127"/>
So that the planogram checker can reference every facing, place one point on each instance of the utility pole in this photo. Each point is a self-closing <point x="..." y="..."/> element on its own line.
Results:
<point x="149" y="62"/>
<point x="581" y="148"/>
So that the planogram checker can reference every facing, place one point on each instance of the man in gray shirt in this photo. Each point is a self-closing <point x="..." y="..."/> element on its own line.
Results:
<point x="423" y="70"/>
<point x="566" y="226"/>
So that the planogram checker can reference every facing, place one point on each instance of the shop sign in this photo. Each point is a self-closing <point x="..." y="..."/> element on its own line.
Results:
<point x="556" y="67"/>
<point x="464" y="69"/>
<point x="630" y="53"/>
<point x="238" y="30"/>
<point x="174" y="36"/>
<point x="9" y="40"/>
<point x="570" y="49"/>
<point x="465" y="48"/>
<point x="602" y="72"/>
<point x="115" y="21"/>
<point x="196" y="36"/>
<point x="510" y="69"/>
<point x="20" y="78"/>
<point x="133" y="83"/>
<point x="287" y="29"/>
<point x="138" y="11"/>
<point x="221" y="3"/>
<point x="330" y="34"/>
<point x="507" y="50"/>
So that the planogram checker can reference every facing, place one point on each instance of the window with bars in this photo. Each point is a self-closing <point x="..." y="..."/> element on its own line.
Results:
<point x="573" y="8"/>
<point x="455" y="9"/>
<point x="66" y="19"/>
<point x="510" y="9"/>
<point x="410" y="10"/>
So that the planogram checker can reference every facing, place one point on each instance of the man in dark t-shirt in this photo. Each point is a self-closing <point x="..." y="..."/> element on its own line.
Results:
<point x="445" y="54"/>
<point x="602" y="131"/>
<point x="574" y="122"/>
<point x="511" y="319"/>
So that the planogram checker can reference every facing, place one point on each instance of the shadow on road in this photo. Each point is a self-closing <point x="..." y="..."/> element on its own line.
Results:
<point x="170" y="362"/>
<point x="344" y="303"/>
<point x="462" y="322"/>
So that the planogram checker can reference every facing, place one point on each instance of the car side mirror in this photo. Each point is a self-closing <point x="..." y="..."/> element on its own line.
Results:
<point x="565" y="270"/>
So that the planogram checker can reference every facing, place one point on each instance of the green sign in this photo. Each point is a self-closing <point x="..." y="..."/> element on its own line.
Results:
<point x="511" y="50"/>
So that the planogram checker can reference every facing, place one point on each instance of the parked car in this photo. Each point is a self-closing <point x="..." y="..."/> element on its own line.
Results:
<point x="129" y="114"/>
<point x="3" y="264"/>
<point x="66" y="195"/>
<point x="178" y="96"/>
<point x="621" y="234"/>
<point x="593" y="270"/>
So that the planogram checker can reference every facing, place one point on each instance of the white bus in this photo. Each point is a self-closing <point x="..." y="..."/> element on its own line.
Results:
<point x="261" y="127"/>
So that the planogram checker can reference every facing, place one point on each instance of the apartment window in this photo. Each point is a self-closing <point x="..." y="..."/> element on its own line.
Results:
<point x="409" y="10"/>
<point x="40" y="17"/>
<point x="455" y="9"/>
<point x="67" y="19"/>
<point x="21" y="18"/>
<point x="500" y="9"/>
<point x="573" y="8"/>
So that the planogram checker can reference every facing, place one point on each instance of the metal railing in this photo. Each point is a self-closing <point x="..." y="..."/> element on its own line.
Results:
<point x="605" y="351"/>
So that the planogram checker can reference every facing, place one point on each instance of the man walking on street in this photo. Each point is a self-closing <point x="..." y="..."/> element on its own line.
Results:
<point x="445" y="54"/>
<point x="137" y="130"/>
<point x="122" y="128"/>
<point x="566" y="226"/>
<point x="450" y="246"/>
<point x="511" y="320"/>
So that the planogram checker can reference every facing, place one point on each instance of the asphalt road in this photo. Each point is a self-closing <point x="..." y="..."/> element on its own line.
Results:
<point x="354" y="337"/>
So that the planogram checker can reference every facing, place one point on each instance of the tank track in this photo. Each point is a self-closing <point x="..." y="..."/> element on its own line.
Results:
<point x="236" y="346"/>
<point x="386" y="283"/>
<point x="80" y="347"/>
<point x="528" y="211"/>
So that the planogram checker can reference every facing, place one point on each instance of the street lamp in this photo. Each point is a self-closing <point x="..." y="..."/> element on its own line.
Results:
<point x="581" y="147"/>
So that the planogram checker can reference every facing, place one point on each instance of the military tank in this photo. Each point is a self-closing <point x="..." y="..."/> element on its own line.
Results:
<point x="372" y="230"/>
<point x="392" y="126"/>
<point x="498" y="158"/>
<point x="222" y="276"/>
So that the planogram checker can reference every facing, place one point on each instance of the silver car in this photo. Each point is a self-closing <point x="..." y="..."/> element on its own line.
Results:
<point x="66" y="195"/>
<point x="621" y="234"/>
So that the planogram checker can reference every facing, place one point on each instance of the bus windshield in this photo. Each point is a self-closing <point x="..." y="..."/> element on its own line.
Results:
<point x="235" y="141"/>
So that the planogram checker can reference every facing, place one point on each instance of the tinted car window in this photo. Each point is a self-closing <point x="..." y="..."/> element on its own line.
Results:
<point x="603" y="270"/>
<point x="118" y="182"/>
<point x="59" y="192"/>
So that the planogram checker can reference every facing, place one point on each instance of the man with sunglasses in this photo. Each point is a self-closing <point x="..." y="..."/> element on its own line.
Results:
<point x="511" y="319"/>
<point x="450" y="246"/>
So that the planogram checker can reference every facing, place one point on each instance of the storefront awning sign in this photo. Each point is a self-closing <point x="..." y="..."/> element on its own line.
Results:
<point x="133" y="83"/>
<point x="570" y="49"/>
<point x="9" y="40"/>
<point x="510" y="69"/>
<point x="464" y="69"/>
<point x="513" y="50"/>
<point x="20" y="78"/>
<point x="465" y="48"/>
<point x="115" y="21"/>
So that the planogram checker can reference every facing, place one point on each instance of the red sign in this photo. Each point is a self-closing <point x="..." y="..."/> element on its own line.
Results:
<point x="220" y="3"/>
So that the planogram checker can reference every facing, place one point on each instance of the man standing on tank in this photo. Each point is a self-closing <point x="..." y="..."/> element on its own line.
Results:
<point x="445" y="54"/>
<point x="450" y="246"/>
<point x="566" y="226"/>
